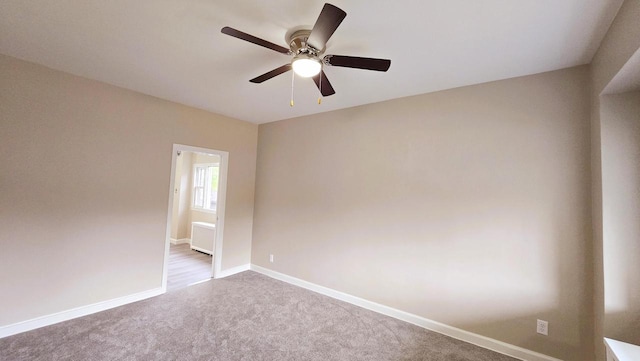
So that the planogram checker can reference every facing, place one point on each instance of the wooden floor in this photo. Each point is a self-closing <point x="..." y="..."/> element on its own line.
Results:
<point x="187" y="267"/>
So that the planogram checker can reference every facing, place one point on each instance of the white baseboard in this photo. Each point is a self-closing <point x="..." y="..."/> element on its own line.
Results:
<point x="179" y="241"/>
<point x="478" y="340"/>
<point x="234" y="270"/>
<point x="47" y="320"/>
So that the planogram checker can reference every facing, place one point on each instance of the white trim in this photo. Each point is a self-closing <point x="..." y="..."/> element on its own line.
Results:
<point x="621" y="351"/>
<point x="47" y="320"/>
<point x="220" y="214"/>
<point x="478" y="340"/>
<point x="206" y="225"/>
<point x="180" y="241"/>
<point x="199" y="282"/>
<point x="220" y="211"/>
<point x="234" y="270"/>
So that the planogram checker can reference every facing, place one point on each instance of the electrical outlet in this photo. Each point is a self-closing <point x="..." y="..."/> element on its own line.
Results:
<point x="542" y="327"/>
<point x="271" y="258"/>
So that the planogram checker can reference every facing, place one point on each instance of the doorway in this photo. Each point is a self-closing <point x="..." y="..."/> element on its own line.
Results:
<point x="195" y="221"/>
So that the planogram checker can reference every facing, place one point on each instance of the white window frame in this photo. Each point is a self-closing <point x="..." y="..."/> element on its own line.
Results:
<point x="206" y="188"/>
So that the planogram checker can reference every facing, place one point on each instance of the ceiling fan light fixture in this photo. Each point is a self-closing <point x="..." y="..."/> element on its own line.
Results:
<point x="306" y="65"/>
<point x="308" y="48"/>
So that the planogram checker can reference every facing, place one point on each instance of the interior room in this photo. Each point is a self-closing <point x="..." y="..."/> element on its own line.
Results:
<point x="449" y="180"/>
<point x="193" y="219"/>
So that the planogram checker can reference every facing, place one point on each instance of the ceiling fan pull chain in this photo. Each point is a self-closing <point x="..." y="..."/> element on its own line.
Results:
<point x="293" y="76"/>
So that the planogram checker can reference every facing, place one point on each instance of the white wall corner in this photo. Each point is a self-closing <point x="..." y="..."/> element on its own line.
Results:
<point x="179" y="241"/>
<point x="472" y="338"/>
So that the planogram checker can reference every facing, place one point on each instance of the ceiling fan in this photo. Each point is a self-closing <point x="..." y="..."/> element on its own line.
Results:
<point x="307" y="48"/>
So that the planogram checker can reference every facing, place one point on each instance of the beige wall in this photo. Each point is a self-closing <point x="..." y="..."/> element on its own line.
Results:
<point x="470" y="207"/>
<point x="620" y="117"/>
<point x="200" y="216"/>
<point x="84" y="180"/>
<point x="620" y="43"/>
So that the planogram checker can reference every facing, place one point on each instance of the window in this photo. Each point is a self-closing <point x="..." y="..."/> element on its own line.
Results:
<point x="205" y="186"/>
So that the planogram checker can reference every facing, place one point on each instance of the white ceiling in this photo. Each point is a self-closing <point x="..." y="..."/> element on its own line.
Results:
<point x="174" y="49"/>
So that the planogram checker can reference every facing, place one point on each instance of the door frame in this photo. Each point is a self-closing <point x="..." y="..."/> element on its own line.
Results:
<point x="216" y="264"/>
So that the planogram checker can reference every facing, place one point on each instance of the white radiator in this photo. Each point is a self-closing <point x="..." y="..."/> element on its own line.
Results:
<point x="203" y="236"/>
<point x="621" y="351"/>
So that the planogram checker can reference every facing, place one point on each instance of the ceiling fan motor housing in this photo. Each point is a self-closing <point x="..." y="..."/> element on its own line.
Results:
<point x="298" y="44"/>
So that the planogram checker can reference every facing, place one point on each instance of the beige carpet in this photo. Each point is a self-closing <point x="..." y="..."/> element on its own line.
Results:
<point x="243" y="317"/>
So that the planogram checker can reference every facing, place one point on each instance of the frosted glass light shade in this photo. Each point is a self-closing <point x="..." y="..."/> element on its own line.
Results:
<point x="306" y="66"/>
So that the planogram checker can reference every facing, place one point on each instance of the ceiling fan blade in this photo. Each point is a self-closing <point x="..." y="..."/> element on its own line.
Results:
<point x="357" y="62"/>
<point x="326" y="89"/>
<point x="327" y="23"/>
<point x="275" y="72"/>
<point x="252" y="39"/>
